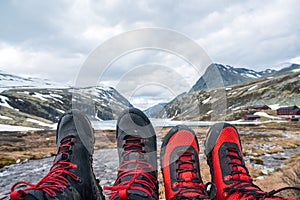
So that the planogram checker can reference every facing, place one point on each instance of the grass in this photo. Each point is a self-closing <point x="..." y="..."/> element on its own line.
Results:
<point x="32" y="145"/>
<point x="19" y="118"/>
<point x="6" y="161"/>
<point x="291" y="175"/>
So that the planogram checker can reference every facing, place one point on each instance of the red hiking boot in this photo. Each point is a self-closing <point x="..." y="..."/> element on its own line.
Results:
<point x="137" y="173"/>
<point x="71" y="175"/>
<point x="180" y="165"/>
<point x="229" y="173"/>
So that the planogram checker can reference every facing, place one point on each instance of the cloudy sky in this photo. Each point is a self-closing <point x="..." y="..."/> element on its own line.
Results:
<point x="53" y="40"/>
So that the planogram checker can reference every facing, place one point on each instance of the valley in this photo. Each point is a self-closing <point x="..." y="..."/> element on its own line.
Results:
<point x="271" y="153"/>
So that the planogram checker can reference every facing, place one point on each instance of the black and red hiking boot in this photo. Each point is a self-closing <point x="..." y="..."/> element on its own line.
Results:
<point x="71" y="175"/>
<point x="137" y="173"/>
<point x="180" y="165"/>
<point x="228" y="171"/>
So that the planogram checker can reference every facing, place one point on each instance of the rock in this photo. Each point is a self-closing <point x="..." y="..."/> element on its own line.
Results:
<point x="267" y="170"/>
<point x="260" y="178"/>
<point x="256" y="160"/>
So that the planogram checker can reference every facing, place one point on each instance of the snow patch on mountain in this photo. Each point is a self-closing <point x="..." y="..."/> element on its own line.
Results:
<point x="252" y="88"/>
<point x="38" y="122"/>
<point x="206" y="100"/>
<point x="8" y="81"/>
<point x="3" y="102"/>
<point x="263" y="114"/>
<point x="274" y="106"/>
<point x="5" y="118"/>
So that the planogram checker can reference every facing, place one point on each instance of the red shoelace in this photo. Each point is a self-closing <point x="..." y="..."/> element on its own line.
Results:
<point x="55" y="180"/>
<point x="190" y="186"/>
<point x="133" y="178"/>
<point x="242" y="181"/>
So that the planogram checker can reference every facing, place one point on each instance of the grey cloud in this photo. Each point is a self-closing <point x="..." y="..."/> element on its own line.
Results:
<point x="255" y="34"/>
<point x="249" y="33"/>
<point x="151" y="79"/>
<point x="22" y="21"/>
<point x="57" y="26"/>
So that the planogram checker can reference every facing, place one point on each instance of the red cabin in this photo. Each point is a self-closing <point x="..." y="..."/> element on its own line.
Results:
<point x="251" y="117"/>
<point x="292" y="110"/>
<point x="261" y="107"/>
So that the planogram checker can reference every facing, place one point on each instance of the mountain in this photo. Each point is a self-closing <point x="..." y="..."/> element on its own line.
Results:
<point x="231" y="102"/>
<point x="38" y="103"/>
<point x="154" y="111"/>
<point x="287" y="69"/>
<point x="39" y="107"/>
<point x="218" y="75"/>
<point x="8" y="81"/>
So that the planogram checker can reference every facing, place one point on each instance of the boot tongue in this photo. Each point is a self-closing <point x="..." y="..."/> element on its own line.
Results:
<point x="64" y="149"/>
<point x="133" y="151"/>
<point x="186" y="175"/>
<point x="239" y="162"/>
<point x="188" y="168"/>
<point x="131" y="159"/>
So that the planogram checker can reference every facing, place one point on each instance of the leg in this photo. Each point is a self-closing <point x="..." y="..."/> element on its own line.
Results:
<point x="229" y="173"/>
<point x="137" y="173"/>
<point x="71" y="175"/>
<point x="180" y="165"/>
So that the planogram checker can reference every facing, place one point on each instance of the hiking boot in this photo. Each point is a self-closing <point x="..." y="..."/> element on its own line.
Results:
<point x="228" y="171"/>
<point x="180" y="165"/>
<point x="137" y="173"/>
<point x="71" y="175"/>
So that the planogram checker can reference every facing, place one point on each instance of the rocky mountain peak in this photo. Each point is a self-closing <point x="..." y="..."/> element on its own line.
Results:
<point x="219" y="75"/>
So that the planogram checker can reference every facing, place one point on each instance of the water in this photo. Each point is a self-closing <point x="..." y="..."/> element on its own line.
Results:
<point x="105" y="168"/>
<point x="276" y="160"/>
<point x="159" y="123"/>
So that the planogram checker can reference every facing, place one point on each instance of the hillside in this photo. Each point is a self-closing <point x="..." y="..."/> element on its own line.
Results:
<point x="38" y="107"/>
<point x="218" y="75"/>
<point x="153" y="111"/>
<point x="38" y="103"/>
<point x="8" y="81"/>
<point x="231" y="103"/>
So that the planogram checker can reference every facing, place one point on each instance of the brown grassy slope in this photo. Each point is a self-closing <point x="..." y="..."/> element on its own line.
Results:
<point x="36" y="144"/>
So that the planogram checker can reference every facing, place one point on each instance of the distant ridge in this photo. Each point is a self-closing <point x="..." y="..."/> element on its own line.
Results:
<point x="38" y="103"/>
<point x="8" y="80"/>
<point x="219" y="75"/>
<point x="154" y="111"/>
<point x="280" y="88"/>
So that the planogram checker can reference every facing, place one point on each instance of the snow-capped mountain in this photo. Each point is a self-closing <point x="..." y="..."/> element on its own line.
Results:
<point x="38" y="103"/>
<point x="234" y="101"/>
<point x="35" y="107"/>
<point x="218" y="75"/>
<point x="8" y="80"/>
<point x="243" y="87"/>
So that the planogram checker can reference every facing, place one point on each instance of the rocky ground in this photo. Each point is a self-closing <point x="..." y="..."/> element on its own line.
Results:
<point x="272" y="153"/>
